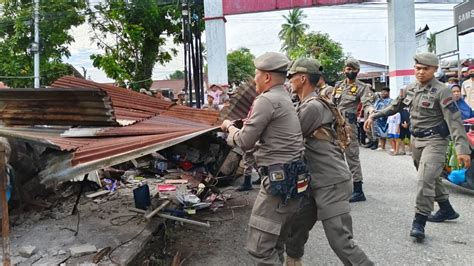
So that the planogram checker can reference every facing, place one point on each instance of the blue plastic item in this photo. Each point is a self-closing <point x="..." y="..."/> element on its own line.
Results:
<point x="457" y="176"/>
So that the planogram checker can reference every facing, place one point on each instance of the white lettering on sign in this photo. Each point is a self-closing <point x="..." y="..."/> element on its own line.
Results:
<point x="466" y="16"/>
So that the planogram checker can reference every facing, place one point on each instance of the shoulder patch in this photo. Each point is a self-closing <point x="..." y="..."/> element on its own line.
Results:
<point x="433" y="90"/>
<point x="452" y="107"/>
<point x="447" y="100"/>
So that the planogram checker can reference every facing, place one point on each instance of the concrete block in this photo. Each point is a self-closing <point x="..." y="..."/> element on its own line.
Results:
<point x="27" y="251"/>
<point x="81" y="250"/>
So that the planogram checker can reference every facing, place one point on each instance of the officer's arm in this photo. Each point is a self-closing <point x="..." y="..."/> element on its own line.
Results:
<point x="452" y="116"/>
<point x="311" y="116"/>
<point x="367" y="99"/>
<point x="394" y="107"/>
<point x="245" y="138"/>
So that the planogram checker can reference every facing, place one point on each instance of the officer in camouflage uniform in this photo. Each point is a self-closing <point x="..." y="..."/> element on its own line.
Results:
<point x="434" y="116"/>
<point x="330" y="177"/>
<point x="274" y="131"/>
<point x="347" y="95"/>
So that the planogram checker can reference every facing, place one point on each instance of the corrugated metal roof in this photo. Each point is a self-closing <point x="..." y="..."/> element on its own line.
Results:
<point x="128" y="104"/>
<point x="79" y="107"/>
<point x="80" y="150"/>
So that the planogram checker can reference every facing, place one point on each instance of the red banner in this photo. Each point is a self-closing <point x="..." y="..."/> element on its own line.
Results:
<point x="232" y="7"/>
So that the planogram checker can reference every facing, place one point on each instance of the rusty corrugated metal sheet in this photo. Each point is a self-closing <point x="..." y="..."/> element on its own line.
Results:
<point x="128" y="104"/>
<point x="208" y="117"/>
<point x="79" y="107"/>
<point x="240" y="102"/>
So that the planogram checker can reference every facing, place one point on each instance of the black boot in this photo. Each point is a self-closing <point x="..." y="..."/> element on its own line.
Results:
<point x="418" y="227"/>
<point x="247" y="185"/>
<point x="357" y="194"/>
<point x="368" y="144"/>
<point x="258" y="181"/>
<point x="375" y="145"/>
<point x="445" y="212"/>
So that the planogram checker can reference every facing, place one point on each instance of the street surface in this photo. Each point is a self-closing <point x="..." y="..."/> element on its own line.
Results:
<point x="381" y="225"/>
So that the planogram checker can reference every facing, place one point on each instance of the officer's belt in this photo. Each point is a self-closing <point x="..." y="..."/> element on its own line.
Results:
<point x="440" y="129"/>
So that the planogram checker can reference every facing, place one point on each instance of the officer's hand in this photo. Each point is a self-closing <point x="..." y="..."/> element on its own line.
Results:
<point x="464" y="160"/>
<point x="225" y="125"/>
<point x="405" y="124"/>
<point x="368" y="124"/>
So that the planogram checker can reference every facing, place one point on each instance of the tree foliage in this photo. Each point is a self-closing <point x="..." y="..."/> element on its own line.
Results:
<point x="132" y="34"/>
<point x="240" y="66"/>
<point x="178" y="74"/>
<point x="320" y="46"/>
<point x="292" y="30"/>
<point x="432" y="43"/>
<point x="16" y="35"/>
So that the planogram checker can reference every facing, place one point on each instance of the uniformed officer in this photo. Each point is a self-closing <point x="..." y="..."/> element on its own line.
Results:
<point x="274" y="131"/>
<point x="323" y="88"/>
<point x="434" y="115"/>
<point x="347" y="95"/>
<point x="330" y="177"/>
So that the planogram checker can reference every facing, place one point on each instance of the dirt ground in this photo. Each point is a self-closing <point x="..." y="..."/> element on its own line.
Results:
<point x="221" y="244"/>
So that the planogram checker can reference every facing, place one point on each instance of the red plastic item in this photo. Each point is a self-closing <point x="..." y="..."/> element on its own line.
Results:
<point x="186" y="165"/>
<point x="163" y="188"/>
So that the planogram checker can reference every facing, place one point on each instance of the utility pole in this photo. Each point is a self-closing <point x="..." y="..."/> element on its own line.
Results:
<point x="35" y="46"/>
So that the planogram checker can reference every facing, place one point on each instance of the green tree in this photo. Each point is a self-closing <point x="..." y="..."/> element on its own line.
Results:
<point x="292" y="30"/>
<point x="240" y="66"/>
<point x="138" y="29"/>
<point x="432" y="43"/>
<point x="320" y="46"/>
<point x="16" y="34"/>
<point x="178" y="74"/>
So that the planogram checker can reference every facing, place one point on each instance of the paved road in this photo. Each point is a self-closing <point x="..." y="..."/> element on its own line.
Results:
<point x="381" y="225"/>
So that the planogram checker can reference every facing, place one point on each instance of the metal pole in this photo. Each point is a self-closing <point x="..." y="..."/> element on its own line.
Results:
<point x="37" y="50"/>
<point x="459" y="69"/>
<point x="5" y="217"/>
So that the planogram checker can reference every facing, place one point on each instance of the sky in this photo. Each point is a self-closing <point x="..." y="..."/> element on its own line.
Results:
<point x="361" y="30"/>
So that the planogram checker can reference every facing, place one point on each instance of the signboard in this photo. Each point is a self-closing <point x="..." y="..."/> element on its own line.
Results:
<point x="464" y="17"/>
<point x="447" y="41"/>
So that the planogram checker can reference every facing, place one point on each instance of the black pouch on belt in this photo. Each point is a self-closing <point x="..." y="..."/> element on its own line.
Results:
<point x="289" y="180"/>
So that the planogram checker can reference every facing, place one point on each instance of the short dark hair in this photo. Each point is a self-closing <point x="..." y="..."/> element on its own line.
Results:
<point x="387" y="89"/>
<point x="314" y="79"/>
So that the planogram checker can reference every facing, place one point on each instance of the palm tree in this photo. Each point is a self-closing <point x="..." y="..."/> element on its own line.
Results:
<point x="432" y="43"/>
<point x="292" y="30"/>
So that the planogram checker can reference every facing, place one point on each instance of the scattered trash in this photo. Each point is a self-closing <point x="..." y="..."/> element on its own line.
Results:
<point x="110" y="184"/>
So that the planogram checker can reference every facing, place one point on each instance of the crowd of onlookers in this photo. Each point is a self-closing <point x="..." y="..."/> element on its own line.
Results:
<point x="216" y="96"/>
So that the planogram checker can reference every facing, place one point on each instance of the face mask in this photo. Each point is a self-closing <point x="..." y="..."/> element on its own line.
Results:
<point x="351" y="75"/>
<point x="471" y="75"/>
